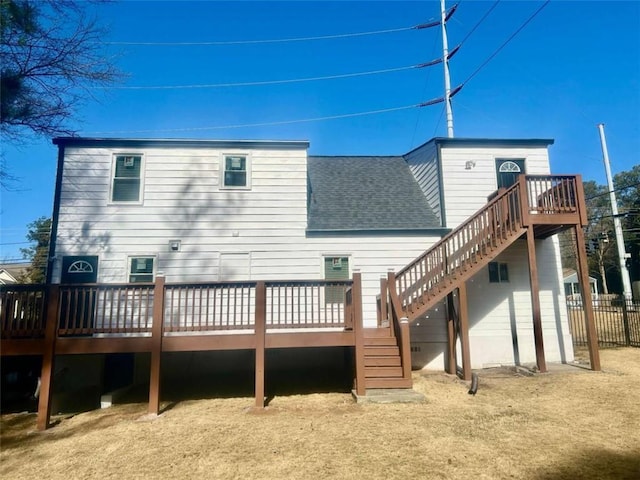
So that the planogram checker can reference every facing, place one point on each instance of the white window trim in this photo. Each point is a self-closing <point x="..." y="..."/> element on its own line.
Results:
<point x="222" y="170"/>
<point x="141" y="255"/>
<point x="114" y="156"/>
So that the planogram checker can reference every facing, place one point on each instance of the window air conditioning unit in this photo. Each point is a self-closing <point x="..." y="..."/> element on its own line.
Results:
<point x="129" y="162"/>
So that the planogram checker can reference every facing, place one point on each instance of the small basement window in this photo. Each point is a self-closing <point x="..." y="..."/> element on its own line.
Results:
<point x="141" y="269"/>
<point x="236" y="171"/>
<point x="127" y="178"/>
<point x="498" y="272"/>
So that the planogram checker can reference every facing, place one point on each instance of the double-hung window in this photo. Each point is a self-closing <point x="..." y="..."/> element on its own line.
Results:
<point x="127" y="179"/>
<point x="236" y="171"/>
<point x="498" y="272"/>
<point x="141" y="269"/>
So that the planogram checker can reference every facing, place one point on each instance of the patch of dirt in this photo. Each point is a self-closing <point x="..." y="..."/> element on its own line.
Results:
<point x="551" y="426"/>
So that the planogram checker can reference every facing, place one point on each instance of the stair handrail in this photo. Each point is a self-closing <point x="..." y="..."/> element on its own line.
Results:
<point x="494" y="222"/>
<point x="399" y="326"/>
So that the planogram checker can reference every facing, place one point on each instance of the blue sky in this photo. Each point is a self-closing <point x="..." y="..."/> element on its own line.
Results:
<point x="574" y="65"/>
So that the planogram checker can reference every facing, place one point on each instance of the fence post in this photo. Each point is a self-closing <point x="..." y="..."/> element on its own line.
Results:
<point x="157" y="331"/>
<point x="260" y="333"/>
<point x="361" y="388"/>
<point x="625" y="321"/>
<point x="48" y="357"/>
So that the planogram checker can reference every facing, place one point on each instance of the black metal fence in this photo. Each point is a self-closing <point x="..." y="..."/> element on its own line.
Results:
<point x="617" y="321"/>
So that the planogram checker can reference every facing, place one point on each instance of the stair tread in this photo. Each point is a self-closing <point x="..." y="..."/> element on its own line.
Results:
<point x="388" y="383"/>
<point x="380" y="341"/>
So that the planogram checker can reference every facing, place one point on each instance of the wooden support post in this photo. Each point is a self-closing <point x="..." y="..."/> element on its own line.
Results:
<point x="464" y="331"/>
<point x="48" y="357"/>
<point x="157" y="331"/>
<point x="260" y="333"/>
<point x="535" y="301"/>
<point x="523" y="198"/>
<point x="587" y="303"/>
<point x="405" y="348"/>
<point x="384" y="297"/>
<point x="451" y="335"/>
<point x="358" y="331"/>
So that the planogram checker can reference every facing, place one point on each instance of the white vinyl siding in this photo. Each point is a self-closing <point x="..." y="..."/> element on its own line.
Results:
<point x="423" y="163"/>
<point x="462" y="201"/>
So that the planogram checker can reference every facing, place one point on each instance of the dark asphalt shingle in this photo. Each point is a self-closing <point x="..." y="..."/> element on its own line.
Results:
<point x="365" y="193"/>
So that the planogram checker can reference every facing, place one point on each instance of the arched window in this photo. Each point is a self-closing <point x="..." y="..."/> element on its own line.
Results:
<point x="509" y="167"/>
<point x="80" y="266"/>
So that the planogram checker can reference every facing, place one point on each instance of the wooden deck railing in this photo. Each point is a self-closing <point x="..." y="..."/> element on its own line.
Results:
<point x="105" y="309"/>
<point x="307" y="304"/>
<point x="127" y="309"/>
<point x="552" y="194"/>
<point x="22" y="310"/>
<point x="209" y="306"/>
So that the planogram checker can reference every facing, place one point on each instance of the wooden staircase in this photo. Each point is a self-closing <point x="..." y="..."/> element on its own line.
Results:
<point x="382" y="360"/>
<point x="546" y="204"/>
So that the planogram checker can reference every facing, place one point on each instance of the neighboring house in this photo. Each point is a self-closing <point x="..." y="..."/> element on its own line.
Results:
<point x="572" y="287"/>
<point x="198" y="210"/>
<point x="11" y="272"/>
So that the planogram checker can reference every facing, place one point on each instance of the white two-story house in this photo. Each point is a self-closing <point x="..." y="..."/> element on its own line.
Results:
<point x="127" y="210"/>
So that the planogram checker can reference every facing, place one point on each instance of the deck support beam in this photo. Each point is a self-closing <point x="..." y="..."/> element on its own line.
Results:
<point x="451" y="335"/>
<point x="358" y="330"/>
<point x="535" y="301"/>
<point x="156" y="346"/>
<point x="587" y="302"/>
<point x="464" y="331"/>
<point x="48" y="358"/>
<point x="260" y="332"/>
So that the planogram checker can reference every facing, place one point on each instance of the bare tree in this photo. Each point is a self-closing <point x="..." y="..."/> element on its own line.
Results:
<point x="51" y="55"/>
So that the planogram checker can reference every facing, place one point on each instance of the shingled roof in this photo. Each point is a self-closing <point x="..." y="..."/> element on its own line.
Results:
<point x="365" y="193"/>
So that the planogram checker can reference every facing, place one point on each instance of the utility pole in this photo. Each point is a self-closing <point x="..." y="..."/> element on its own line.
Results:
<point x="445" y="62"/>
<point x="617" y="226"/>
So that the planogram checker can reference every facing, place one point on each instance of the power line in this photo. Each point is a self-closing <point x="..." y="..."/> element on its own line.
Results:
<point x="276" y="40"/>
<point x="479" y="22"/>
<point x="287" y="122"/>
<point x="511" y="37"/>
<point x="266" y="124"/>
<point x="614" y="190"/>
<point x="276" y="82"/>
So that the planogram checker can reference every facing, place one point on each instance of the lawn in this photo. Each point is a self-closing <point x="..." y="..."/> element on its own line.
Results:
<point x="567" y="424"/>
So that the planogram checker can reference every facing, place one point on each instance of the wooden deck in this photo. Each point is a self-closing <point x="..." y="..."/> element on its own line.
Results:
<point x="161" y="317"/>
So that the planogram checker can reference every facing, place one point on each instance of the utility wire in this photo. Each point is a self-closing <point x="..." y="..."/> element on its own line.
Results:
<point x="614" y="190"/>
<point x="479" y="22"/>
<point x="276" y="82"/>
<point x="288" y="122"/>
<point x="511" y="37"/>
<point x="278" y="40"/>
<point x="265" y="124"/>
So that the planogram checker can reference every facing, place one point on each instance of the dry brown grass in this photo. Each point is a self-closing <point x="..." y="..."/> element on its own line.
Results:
<point x="571" y="424"/>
